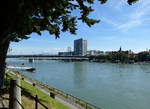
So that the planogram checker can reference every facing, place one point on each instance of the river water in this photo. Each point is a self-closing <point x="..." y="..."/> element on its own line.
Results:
<point x="106" y="85"/>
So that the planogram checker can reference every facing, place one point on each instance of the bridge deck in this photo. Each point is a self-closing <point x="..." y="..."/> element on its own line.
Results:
<point x="36" y="57"/>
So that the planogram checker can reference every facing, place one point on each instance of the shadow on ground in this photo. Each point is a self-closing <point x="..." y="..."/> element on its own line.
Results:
<point x="4" y="99"/>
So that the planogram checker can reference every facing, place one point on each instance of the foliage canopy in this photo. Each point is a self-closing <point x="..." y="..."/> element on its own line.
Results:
<point x="22" y="17"/>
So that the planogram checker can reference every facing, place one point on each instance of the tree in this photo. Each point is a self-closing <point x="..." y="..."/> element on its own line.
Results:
<point x="144" y="56"/>
<point x="20" y="18"/>
<point x="122" y="57"/>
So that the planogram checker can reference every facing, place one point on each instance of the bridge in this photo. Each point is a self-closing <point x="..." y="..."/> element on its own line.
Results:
<point x="49" y="57"/>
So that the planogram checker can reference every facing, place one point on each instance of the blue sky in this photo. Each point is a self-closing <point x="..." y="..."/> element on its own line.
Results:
<point x="121" y="25"/>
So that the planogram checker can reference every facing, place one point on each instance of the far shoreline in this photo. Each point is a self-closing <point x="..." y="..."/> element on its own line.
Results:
<point x="100" y="61"/>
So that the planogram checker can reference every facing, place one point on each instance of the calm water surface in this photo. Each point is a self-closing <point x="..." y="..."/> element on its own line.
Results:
<point x="109" y="86"/>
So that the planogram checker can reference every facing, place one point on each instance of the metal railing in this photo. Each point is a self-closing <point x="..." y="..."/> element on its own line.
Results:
<point x="63" y="95"/>
<point x="73" y="100"/>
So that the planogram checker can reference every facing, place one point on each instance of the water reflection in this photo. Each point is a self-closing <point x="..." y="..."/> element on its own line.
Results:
<point x="79" y="74"/>
<point x="145" y="68"/>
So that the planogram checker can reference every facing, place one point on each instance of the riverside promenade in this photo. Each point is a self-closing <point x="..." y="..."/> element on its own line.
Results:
<point x="60" y="99"/>
<point x="71" y="103"/>
<point x="4" y="104"/>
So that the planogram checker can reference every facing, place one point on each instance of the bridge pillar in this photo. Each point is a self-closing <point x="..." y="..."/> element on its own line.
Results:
<point x="31" y="60"/>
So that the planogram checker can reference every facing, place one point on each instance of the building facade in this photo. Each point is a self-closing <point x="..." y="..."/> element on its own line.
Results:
<point x="65" y="53"/>
<point x="80" y="47"/>
<point x="95" y="52"/>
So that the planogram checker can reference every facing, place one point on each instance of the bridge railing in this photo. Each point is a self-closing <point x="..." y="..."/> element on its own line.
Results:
<point x="18" y="56"/>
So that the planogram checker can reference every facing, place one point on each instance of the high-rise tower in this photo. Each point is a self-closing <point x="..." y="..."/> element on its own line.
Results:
<point x="80" y="47"/>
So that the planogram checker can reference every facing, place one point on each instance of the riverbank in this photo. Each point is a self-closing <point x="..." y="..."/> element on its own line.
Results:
<point x="119" y="62"/>
<point x="64" y="98"/>
<point x="29" y="91"/>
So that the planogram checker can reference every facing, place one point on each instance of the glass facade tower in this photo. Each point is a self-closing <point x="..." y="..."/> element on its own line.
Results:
<point x="80" y="47"/>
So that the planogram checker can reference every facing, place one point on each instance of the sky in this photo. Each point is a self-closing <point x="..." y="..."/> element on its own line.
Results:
<point x="121" y="25"/>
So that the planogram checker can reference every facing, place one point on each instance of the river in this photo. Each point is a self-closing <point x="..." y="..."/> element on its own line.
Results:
<point x="106" y="85"/>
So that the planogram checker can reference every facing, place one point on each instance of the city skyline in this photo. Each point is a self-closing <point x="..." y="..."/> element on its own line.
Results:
<point x="71" y="49"/>
<point x="55" y="51"/>
<point x="121" y="25"/>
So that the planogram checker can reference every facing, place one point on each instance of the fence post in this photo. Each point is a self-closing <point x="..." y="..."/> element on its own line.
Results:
<point x="86" y="105"/>
<point x="52" y="95"/>
<point x="36" y="102"/>
<point x="15" y="94"/>
<point x="6" y="82"/>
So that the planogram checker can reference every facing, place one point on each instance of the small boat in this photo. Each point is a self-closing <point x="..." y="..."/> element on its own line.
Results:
<point x="31" y="69"/>
<point x="22" y="68"/>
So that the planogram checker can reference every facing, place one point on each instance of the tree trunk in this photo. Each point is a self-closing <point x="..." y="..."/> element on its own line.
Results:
<point x="3" y="54"/>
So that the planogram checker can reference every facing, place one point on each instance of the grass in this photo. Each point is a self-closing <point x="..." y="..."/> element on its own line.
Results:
<point x="29" y="91"/>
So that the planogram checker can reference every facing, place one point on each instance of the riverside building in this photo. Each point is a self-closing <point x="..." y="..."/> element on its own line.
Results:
<point x="80" y="47"/>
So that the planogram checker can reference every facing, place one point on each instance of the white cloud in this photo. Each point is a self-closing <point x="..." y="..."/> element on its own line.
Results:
<point x="109" y="21"/>
<point x="128" y="20"/>
<point x="120" y="4"/>
<point x="116" y="4"/>
<point x="128" y="25"/>
<point x="137" y="17"/>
